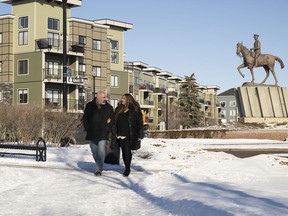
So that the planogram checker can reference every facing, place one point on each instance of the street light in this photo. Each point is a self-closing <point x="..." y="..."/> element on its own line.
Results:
<point x="166" y="91"/>
<point x="64" y="56"/>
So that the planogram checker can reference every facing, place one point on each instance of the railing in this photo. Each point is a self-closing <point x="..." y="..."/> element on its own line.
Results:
<point x="56" y="104"/>
<point x="174" y="94"/>
<point x="54" y="74"/>
<point x="147" y="102"/>
<point x="147" y="87"/>
<point x="161" y="104"/>
<point x="159" y="90"/>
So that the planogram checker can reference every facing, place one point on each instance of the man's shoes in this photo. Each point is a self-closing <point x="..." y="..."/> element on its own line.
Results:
<point x="126" y="173"/>
<point x="97" y="173"/>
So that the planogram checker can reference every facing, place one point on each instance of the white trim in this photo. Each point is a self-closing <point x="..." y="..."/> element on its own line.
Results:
<point x="87" y="22"/>
<point x="116" y="23"/>
<point x="153" y="69"/>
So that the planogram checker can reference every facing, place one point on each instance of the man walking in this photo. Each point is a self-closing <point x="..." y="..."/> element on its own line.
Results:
<point x="98" y="119"/>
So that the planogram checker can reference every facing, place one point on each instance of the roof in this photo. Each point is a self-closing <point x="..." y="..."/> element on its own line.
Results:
<point x="153" y="69"/>
<point x="230" y="91"/>
<point x="71" y="3"/>
<point x="125" y="26"/>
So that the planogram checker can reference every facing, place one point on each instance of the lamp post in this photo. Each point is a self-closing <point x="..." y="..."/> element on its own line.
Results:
<point x="64" y="56"/>
<point x="166" y="109"/>
<point x="94" y="90"/>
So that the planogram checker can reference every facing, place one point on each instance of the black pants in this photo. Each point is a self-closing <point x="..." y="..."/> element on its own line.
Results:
<point x="126" y="152"/>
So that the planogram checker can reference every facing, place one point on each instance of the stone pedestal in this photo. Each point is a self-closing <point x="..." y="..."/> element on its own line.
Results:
<point x="262" y="104"/>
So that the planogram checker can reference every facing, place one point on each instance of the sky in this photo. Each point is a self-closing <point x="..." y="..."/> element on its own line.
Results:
<point x="197" y="36"/>
<point x="168" y="178"/>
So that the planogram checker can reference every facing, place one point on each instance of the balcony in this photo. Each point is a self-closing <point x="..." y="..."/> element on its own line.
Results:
<point x="159" y="90"/>
<point x="147" y="102"/>
<point x="56" y="45"/>
<point x="54" y="75"/>
<point x="55" y="104"/>
<point x="148" y="87"/>
<point x="172" y="94"/>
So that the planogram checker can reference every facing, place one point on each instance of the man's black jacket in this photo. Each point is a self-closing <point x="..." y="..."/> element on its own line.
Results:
<point x="95" y="120"/>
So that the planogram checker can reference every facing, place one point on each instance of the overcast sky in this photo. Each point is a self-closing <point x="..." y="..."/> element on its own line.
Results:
<point x="193" y="36"/>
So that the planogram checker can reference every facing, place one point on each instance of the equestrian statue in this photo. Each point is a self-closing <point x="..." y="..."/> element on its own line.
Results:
<point x="253" y="58"/>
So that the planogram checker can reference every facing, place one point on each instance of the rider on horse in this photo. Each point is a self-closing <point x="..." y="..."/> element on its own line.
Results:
<point x="256" y="49"/>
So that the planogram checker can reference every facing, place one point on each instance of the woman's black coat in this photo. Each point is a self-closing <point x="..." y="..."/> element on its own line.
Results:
<point x="135" y="126"/>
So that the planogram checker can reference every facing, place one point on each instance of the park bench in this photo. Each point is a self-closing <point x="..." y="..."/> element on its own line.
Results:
<point x="40" y="149"/>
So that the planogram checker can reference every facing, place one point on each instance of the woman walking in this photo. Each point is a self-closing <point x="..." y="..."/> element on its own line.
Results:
<point x="129" y="128"/>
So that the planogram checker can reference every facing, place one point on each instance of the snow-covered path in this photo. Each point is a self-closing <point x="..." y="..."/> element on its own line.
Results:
<point x="169" y="177"/>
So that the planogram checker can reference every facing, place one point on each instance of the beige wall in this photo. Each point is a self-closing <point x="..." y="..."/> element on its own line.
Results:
<point x="117" y="34"/>
<point x="38" y="14"/>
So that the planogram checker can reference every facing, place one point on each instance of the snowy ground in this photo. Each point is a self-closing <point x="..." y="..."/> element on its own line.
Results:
<point x="169" y="177"/>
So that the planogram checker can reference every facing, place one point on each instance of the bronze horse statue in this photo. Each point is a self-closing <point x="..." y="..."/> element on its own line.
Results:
<point x="264" y="60"/>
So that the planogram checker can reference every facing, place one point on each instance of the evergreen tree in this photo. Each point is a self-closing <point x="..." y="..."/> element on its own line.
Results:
<point x="189" y="105"/>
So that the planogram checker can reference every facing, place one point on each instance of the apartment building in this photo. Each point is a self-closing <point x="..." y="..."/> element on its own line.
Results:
<point x="209" y="104"/>
<point x="228" y="104"/>
<point x="32" y="62"/>
<point x="31" y="55"/>
<point x="153" y="88"/>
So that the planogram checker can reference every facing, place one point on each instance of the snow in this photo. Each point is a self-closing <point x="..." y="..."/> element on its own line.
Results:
<point x="169" y="177"/>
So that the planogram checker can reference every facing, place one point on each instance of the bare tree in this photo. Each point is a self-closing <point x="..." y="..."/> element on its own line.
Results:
<point x="20" y="123"/>
<point x="59" y="125"/>
<point x="26" y="123"/>
<point x="31" y="122"/>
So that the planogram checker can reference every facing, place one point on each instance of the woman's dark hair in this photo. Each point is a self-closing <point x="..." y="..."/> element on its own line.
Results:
<point x="132" y="104"/>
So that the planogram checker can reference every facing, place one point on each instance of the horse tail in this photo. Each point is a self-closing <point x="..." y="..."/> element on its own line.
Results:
<point x="280" y="62"/>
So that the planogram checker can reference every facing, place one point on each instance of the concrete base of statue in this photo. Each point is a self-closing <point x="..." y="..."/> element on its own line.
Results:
<point x="262" y="104"/>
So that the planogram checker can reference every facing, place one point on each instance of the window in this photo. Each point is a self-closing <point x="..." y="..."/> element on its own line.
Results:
<point x="232" y="112"/>
<point x="131" y="89"/>
<point x="223" y="103"/>
<point x="96" y="45"/>
<point x="82" y="68"/>
<point x="114" y="80"/>
<point x="23" y="96"/>
<point x="23" y="67"/>
<point x="23" y="38"/>
<point x="23" y="22"/>
<point x="53" y="39"/>
<point x="223" y="113"/>
<point x="114" y="57"/>
<point x="232" y="103"/>
<point x="136" y="80"/>
<point x="96" y="71"/>
<point x="1" y="96"/>
<point x="114" y="103"/>
<point x="114" y="45"/>
<point x="82" y="40"/>
<point x="53" y="68"/>
<point x="53" y="24"/>
<point x="0" y="66"/>
<point x="52" y="96"/>
<point x="1" y="38"/>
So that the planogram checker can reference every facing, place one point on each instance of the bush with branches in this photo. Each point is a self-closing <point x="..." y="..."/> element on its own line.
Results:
<point x="26" y="123"/>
